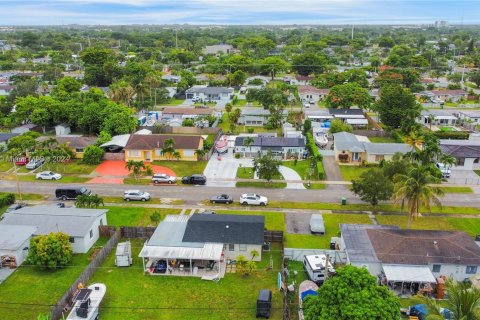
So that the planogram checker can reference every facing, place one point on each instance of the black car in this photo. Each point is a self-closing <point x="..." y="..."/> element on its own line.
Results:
<point x="71" y="193"/>
<point x="264" y="303"/>
<point x="195" y="179"/>
<point x="223" y="198"/>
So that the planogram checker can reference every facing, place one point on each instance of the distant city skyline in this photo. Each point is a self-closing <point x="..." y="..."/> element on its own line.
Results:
<point x="240" y="12"/>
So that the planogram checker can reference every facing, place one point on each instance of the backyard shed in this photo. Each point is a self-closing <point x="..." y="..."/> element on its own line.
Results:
<point x="123" y="254"/>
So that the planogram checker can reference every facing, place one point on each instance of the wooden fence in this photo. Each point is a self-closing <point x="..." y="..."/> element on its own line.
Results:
<point x="63" y="306"/>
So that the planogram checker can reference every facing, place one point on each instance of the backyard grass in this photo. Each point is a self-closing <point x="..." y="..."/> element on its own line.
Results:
<point x="134" y="216"/>
<point x="332" y="229"/>
<point x="350" y="173"/>
<point x="131" y="295"/>
<point x="171" y="102"/>
<point x="261" y="184"/>
<point x="33" y="285"/>
<point x="28" y="196"/>
<point x="302" y="167"/>
<point x="183" y="168"/>
<point x="273" y="220"/>
<point x="382" y="139"/>
<point x="456" y="189"/>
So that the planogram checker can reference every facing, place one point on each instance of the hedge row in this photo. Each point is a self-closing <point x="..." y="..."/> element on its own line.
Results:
<point x="454" y="135"/>
<point x="7" y="199"/>
<point x="312" y="148"/>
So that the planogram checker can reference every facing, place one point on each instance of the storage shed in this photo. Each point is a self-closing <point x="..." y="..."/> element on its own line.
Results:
<point x="123" y="255"/>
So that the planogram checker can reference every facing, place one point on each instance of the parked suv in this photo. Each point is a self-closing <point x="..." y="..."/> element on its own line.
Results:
<point x="69" y="193"/>
<point x="163" y="178"/>
<point x="34" y="164"/>
<point x="195" y="179"/>
<point x="136" y="195"/>
<point x="253" y="199"/>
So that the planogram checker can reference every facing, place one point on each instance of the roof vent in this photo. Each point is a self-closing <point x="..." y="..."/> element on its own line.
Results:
<point x="227" y="226"/>
<point x="435" y="242"/>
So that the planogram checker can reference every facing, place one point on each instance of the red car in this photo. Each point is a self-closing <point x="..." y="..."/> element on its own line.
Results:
<point x="21" y="161"/>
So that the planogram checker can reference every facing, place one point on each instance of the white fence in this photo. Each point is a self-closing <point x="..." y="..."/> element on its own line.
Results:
<point x="298" y="254"/>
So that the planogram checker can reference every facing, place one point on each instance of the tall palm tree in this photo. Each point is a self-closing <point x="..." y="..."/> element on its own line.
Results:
<point x="248" y="143"/>
<point x="200" y="153"/>
<point x="415" y="140"/>
<point x="415" y="190"/>
<point x="168" y="148"/>
<point x="431" y="118"/>
<point x="462" y="300"/>
<point x="447" y="160"/>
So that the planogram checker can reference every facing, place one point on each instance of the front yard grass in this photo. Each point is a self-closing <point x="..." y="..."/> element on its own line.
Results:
<point x="72" y="167"/>
<point x="38" y="287"/>
<point x="382" y="139"/>
<point x="134" y="216"/>
<point x="315" y="186"/>
<point x="131" y="295"/>
<point x="139" y="181"/>
<point x="456" y="189"/>
<point x="302" y="167"/>
<point x="183" y="168"/>
<point x="245" y="173"/>
<point x="477" y="172"/>
<point x="261" y="184"/>
<point x="332" y="229"/>
<point x="350" y="173"/>
<point x="65" y="178"/>
<point x="5" y="166"/>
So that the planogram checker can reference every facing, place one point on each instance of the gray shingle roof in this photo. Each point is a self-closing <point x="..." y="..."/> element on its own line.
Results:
<point x="461" y="151"/>
<point x="350" y="112"/>
<point x="225" y="228"/>
<point x="210" y="90"/>
<point x="387" y="148"/>
<point x="348" y="141"/>
<point x="13" y="236"/>
<point x="73" y="221"/>
<point x="265" y="142"/>
<point x="4" y="137"/>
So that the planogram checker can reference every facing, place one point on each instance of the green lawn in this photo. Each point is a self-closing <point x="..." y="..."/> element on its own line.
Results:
<point x="352" y="172"/>
<point x="139" y="181"/>
<point x="183" y="168"/>
<point x="33" y="285"/>
<point x="5" y="166"/>
<point x="134" y="216"/>
<point x="477" y="172"/>
<point x="233" y="297"/>
<point x="382" y="139"/>
<point x="245" y="173"/>
<point x="72" y="167"/>
<point x="302" y="167"/>
<point x="315" y="186"/>
<point x="171" y="102"/>
<point x="332" y="229"/>
<point x="65" y="178"/>
<point x="273" y="220"/>
<point x="29" y="196"/>
<point x="456" y="189"/>
<point x="261" y="184"/>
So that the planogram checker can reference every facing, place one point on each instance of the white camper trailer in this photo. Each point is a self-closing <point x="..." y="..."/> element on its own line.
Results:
<point x="315" y="267"/>
<point x="123" y="255"/>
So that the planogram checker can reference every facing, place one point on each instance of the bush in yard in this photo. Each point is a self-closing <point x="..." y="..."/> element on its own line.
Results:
<point x="88" y="201"/>
<point x="338" y="125"/>
<point x="250" y="130"/>
<point x="155" y="217"/>
<point x="352" y="294"/>
<point x="50" y="251"/>
<point x="454" y="135"/>
<point x="373" y="186"/>
<point x="7" y="199"/>
<point x="93" y="155"/>
<point x="237" y="155"/>
<point x="267" y="166"/>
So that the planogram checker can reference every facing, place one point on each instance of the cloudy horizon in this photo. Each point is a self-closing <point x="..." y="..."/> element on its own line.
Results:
<point x="243" y="12"/>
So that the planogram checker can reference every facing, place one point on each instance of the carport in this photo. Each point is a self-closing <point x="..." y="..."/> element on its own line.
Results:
<point x="408" y="279"/>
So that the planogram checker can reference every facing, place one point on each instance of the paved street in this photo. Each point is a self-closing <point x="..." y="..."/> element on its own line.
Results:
<point x="194" y="194"/>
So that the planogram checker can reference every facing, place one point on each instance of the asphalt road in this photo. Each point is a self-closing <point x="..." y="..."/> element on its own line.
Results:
<point x="195" y="194"/>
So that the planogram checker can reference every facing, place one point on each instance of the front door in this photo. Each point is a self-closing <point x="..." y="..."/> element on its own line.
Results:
<point x="147" y="155"/>
<point x="355" y="156"/>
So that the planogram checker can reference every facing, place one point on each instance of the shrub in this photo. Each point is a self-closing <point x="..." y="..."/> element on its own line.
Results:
<point x="50" y="251"/>
<point x="93" y="155"/>
<point x="250" y="130"/>
<point x="7" y="199"/>
<point x="237" y="155"/>
<point x="454" y="135"/>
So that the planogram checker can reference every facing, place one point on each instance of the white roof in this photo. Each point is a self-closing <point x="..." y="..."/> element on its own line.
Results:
<point x="209" y="251"/>
<point x="120" y="140"/>
<point x="143" y="131"/>
<point x="320" y="117"/>
<point x="406" y="273"/>
<point x="357" y="121"/>
<point x="13" y="236"/>
<point x="350" y="116"/>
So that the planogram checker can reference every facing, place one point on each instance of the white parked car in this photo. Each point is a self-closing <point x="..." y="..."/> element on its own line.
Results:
<point x="48" y="175"/>
<point x="444" y="169"/>
<point x="136" y="195"/>
<point x="306" y="104"/>
<point x="253" y="199"/>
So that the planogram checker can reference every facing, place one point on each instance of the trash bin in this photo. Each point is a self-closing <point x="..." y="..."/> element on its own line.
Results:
<point x="344" y="201"/>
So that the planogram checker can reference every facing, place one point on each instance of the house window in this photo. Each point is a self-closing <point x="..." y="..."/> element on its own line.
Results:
<point x="189" y="153"/>
<point x="243" y="247"/>
<point x="134" y="153"/>
<point x="91" y="234"/>
<point x="231" y="247"/>
<point x="158" y="152"/>
<point x="436" y="268"/>
<point x="79" y="150"/>
<point x="101" y="222"/>
<point x="471" y="270"/>
<point x="71" y="240"/>
<point x="460" y="161"/>
<point x="355" y="156"/>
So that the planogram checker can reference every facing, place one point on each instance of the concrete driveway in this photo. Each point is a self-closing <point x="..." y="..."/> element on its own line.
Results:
<point x="463" y="177"/>
<point x="222" y="173"/>
<point x="298" y="223"/>
<point x="290" y="174"/>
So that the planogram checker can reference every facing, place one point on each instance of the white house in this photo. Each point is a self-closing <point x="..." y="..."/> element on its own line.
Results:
<point x="256" y="116"/>
<point x="205" y="93"/>
<point x="469" y="117"/>
<point x="24" y="128"/>
<point x="310" y="93"/>
<point x="80" y="224"/>
<point x="284" y="148"/>
<point x="14" y="242"/>
<point x="218" y="48"/>
<point x="421" y="256"/>
<point x="439" y="117"/>
<point x="200" y="245"/>
<point x="466" y="152"/>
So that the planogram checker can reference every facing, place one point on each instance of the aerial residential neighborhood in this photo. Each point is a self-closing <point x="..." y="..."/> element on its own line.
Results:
<point x="276" y="160"/>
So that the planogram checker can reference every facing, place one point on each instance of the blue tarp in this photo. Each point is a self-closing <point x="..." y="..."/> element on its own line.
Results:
<point x="308" y="293"/>
<point x="420" y="310"/>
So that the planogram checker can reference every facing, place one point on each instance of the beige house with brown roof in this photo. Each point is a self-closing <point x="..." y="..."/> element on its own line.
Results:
<point x="149" y="147"/>
<point x="76" y="143"/>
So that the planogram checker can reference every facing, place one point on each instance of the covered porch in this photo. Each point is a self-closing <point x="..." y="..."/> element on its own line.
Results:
<point x="407" y="280"/>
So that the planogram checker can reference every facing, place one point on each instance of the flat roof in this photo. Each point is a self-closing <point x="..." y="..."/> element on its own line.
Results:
<point x="13" y="236"/>
<point x="403" y="273"/>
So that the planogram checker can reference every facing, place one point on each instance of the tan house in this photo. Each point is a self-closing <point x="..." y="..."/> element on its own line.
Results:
<point x="149" y="147"/>
<point x="76" y="143"/>
<point x="353" y="149"/>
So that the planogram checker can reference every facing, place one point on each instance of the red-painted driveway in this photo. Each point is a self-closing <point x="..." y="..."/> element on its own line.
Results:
<point x="117" y="168"/>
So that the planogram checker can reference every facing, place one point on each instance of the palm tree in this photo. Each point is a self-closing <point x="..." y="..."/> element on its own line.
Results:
<point x="462" y="300"/>
<point x="200" y="153"/>
<point x="121" y="92"/>
<point x="415" y="189"/>
<point x="135" y="166"/>
<point x="415" y="140"/>
<point x="431" y="118"/>
<point x="248" y="143"/>
<point x="176" y="155"/>
<point x="168" y="148"/>
<point x="447" y="160"/>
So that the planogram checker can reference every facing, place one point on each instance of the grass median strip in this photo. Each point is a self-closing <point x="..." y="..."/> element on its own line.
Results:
<point x="135" y="216"/>
<point x="261" y="184"/>
<point x="456" y="189"/>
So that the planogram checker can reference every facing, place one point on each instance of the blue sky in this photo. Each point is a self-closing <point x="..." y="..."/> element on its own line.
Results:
<point x="57" y="12"/>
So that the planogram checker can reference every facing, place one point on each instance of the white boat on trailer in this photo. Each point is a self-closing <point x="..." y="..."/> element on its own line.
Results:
<point x="87" y="302"/>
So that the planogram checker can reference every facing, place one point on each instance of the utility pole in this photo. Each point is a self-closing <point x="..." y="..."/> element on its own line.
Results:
<point x="353" y="28"/>
<point x="176" y="38"/>
<point x="463" y="74"/>
<point x="327" y="261"/>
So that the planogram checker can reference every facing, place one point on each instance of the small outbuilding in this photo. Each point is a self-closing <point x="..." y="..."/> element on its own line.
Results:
<point x="62" y="129"/>
<point x="123" y="255"/>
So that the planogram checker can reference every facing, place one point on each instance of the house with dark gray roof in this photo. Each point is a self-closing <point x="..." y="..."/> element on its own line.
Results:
<point x="257" y="117"/>
<point x="410" y="256"/>
<point x="466" y="152"/>
<point x="283" y="148"/>
<point x="80" y="224"/>
<point x="350" y="148"/>
<point x="4" y="137"/>
<point x="205" y="93"/>
<point x="436" y="117"/>
<point x="200" y="244"/>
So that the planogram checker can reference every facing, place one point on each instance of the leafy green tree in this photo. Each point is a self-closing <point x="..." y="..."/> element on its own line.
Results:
<point x="347" y="95"/>
<point x="93" y="155"/>
<point x="237" y="78"/>
<point x="24" y="141"/>
<point x="415" y="190"/>
<point x="475" y="77"/>
<point x="308" y="63"/>
<point x="69" y="85"/>
<point x="373" y="186"/>
<point x="337" y="125"/>
<point x="50" y="251"/>
<point x="200" y="154"/>
<point x="155" y="217"/>
<point x="397" y="107"/>
<point x="397" y="165"/>
<point x="267" y="166"/>
<point x="352" y="294"/>
<point x="118" y="120"/>
<point x="272" y="65"/>
<point x="103" y="137"/>
<point x="88" y="201"/>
